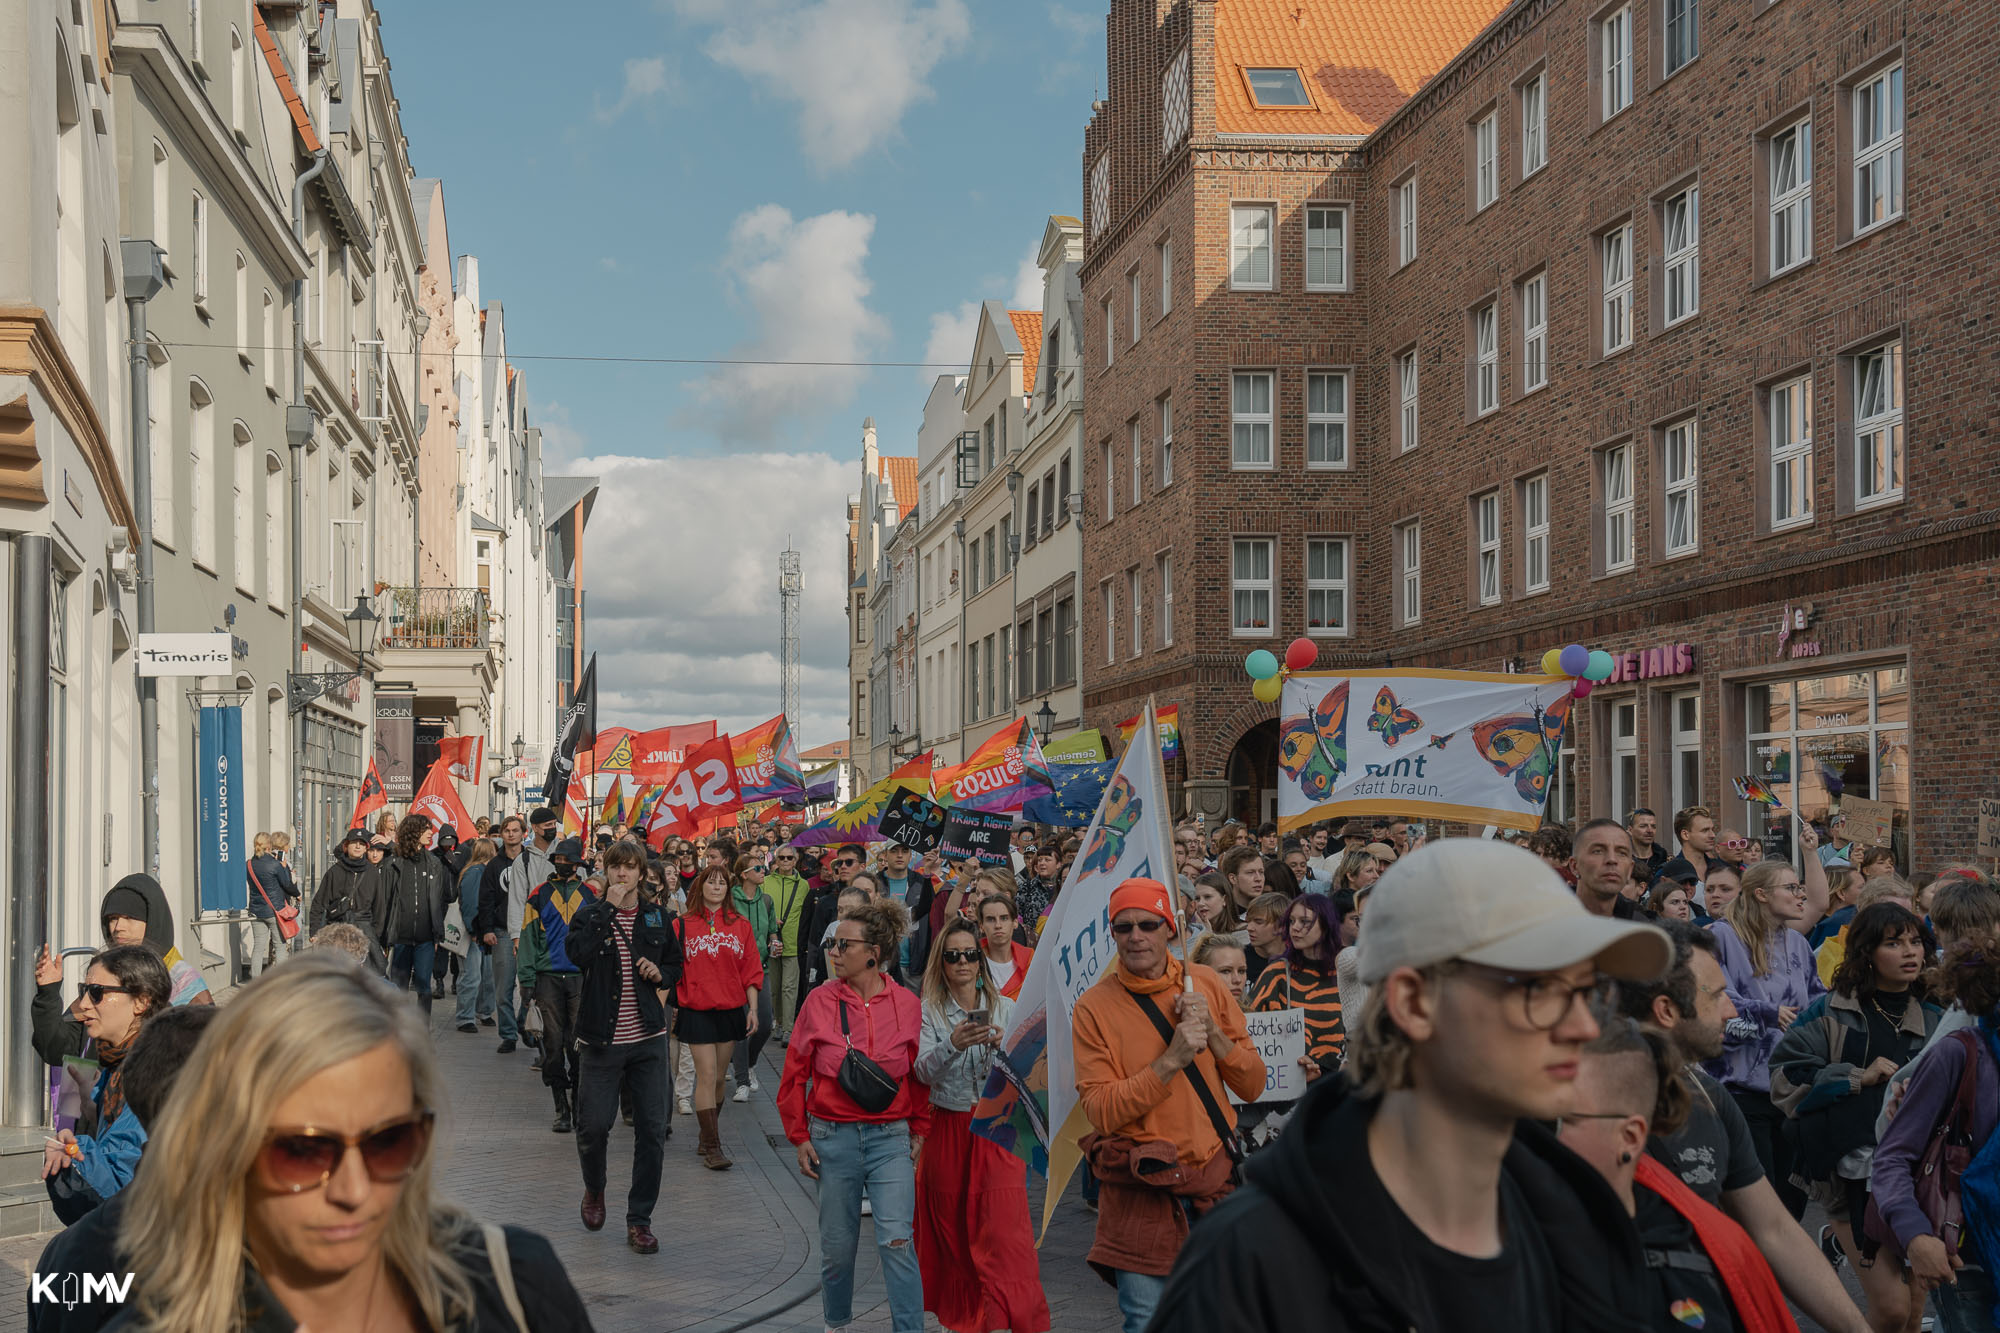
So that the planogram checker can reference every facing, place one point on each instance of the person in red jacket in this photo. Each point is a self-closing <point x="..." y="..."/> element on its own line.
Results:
<point x="722" y="973"/>
<point x="841" y="1143"/>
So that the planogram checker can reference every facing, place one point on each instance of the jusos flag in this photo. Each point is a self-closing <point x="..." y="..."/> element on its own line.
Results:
<point x="1466" y="745"/>
<point x="703" y="789"/>
<point x="767" y="763"/>
<point x="1003" y="774"/>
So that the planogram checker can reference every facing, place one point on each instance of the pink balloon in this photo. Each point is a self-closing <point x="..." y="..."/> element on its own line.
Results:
<point x="1583" y="687"/>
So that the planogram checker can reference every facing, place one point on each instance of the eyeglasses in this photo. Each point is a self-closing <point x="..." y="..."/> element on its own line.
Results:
<point x="95" y="993"/>
<point x="1546" y="1000"/>
<point x="1736" y="844"/>
<point x="298" y="1160"/>
<point x="1151" y="926"/>
<point x="961" y="955"/>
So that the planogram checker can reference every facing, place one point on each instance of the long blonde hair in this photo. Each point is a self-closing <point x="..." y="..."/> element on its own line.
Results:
<point x="187" y="1211"/>
<point x="1750" y="916"/>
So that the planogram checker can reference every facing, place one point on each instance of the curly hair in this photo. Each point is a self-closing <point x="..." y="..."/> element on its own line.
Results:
<point x="1551" y="841"/>
<point x="1873" y="927"/>
<point x="410" y="836"/>
<point x="1969" y="975"/>
<point x="884" y="922"/>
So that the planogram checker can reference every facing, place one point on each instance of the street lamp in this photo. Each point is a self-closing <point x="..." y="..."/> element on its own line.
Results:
<point x="363" y="626"/>
<point x="895" y="737"/>
<point x="520" y="748"/>
<point x="1045" y="721"/>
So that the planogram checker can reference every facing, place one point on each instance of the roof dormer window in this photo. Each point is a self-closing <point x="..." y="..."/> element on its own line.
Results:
<point x="1277" y="87"/>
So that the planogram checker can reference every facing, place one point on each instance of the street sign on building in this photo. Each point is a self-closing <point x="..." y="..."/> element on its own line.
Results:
<point x="185" y="655"/>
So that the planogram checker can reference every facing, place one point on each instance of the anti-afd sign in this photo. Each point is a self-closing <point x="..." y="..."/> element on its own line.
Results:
<point x="913" y="821"/>
<point x="975" y="835"/>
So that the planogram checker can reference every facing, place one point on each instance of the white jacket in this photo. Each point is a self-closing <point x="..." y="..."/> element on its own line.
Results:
<point x="531" y="869"/>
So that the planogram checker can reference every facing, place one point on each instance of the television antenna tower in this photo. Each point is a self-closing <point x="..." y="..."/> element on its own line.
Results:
<point x="790" y="585"/>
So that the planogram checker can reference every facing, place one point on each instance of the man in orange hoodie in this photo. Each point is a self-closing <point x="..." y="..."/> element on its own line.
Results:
<point x="1154" y="1055"/>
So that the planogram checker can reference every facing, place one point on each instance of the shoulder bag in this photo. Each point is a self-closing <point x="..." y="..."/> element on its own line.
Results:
<point x="1230" y="1142"/>
<point x="872" y="1087"/>
<point x="1946" y="1154"/>
<point x="287" y="916"/>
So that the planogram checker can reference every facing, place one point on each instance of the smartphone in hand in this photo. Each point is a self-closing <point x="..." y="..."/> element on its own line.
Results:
<point x="978" y="1016"/>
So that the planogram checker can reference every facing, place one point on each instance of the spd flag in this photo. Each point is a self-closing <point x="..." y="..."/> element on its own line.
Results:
<point x="370" y="799"/>
<point x="703" y="790"/>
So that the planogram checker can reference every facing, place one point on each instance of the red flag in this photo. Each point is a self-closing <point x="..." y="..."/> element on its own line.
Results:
<point x="702" y="790"/>
<point x="437" y="800"/>
<point x="370" y="799"/>
<point x="465" y="755"/>
<point x="657" y="753"/>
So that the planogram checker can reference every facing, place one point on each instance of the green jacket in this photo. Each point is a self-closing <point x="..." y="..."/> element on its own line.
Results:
<point x="790" y="896"/>
<point x="763" y="918"/>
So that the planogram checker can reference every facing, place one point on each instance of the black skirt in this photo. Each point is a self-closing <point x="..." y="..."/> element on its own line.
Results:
<point x="711" y="1027"/>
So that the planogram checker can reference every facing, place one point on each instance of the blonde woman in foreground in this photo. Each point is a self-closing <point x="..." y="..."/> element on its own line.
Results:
<point x="319" y="1214"/>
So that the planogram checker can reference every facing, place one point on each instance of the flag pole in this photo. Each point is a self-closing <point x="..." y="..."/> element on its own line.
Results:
<point x="1163" y="826"/>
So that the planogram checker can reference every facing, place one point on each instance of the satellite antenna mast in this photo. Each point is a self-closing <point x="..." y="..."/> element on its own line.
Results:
<point x="790" y="585"/>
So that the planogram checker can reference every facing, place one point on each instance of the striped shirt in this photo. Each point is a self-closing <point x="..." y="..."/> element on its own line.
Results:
<point x="629" y="1027"/>
<point x="1289" y="983"/>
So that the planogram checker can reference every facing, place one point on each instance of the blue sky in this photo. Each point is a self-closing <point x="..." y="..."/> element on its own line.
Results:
<point x="784" y="179"/>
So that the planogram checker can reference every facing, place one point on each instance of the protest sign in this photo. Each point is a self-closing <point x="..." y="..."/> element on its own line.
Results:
<point x="913" y="821"/>
<point x="1989" y="828"/>
<point x="860" y="819"/>
<point x="1867" y="821"/>
<point x="1280" y="1037"/>
<point x="975" y="835"/>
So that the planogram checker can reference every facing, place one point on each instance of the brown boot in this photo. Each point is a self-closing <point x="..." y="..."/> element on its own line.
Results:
<point x="710" y="1146"/>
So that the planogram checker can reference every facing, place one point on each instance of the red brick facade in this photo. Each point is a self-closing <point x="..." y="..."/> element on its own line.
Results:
<point x="1903" y="585"/>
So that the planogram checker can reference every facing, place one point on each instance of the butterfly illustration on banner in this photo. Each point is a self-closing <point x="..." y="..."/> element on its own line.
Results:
<point x="1313" y="748"/>
<point x="1390" y="719"/>
<point x="1122" y="808"/>
<point x="1439" y="742"/>
<point x="1524" y="746"/>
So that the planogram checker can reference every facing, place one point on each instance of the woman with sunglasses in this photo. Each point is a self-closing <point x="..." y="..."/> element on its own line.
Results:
<point x="1771" y="978"/>
<point x="844" y="1145"/>
<point x="316" y="1209"/>
<point x="123" y="987"/>
<point x="974" y="1242"/>
<point x="790" y="897"/>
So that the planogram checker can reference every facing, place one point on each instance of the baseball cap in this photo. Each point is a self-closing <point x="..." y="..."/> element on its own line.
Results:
<point x="1499" y="906"/>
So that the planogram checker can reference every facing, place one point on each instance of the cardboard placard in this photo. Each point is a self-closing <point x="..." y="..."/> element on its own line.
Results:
<point x="1989" y="829"/>
<point x="1280" y="1038"/>
<point x="1867" y="821"/>
<point x="913" y="821"/>
<point x="977" y="835"/>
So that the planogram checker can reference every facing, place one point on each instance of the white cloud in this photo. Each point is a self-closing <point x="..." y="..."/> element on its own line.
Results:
<point x="806" y="287"/>
<point x="949" y="348"/>
<point x="645" y="79"/>
<point x="562" y="442"/>
<point x="681" y="568"/>
<point x="854" y="67"/>
<point x="1028" y="281"/>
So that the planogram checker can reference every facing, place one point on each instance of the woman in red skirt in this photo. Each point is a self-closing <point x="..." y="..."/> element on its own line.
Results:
<point x="974" y="1242"/>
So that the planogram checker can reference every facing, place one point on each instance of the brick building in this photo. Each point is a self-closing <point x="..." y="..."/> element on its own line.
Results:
<point x="1646" y="325"/>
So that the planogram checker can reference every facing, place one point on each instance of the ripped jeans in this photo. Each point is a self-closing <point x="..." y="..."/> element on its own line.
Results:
<point x="852" y="1155"/>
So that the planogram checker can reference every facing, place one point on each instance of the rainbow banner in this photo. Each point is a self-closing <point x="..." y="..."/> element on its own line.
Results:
<point x="1169" y="719"/>
<point x="767" y="763"/>
<point x="860" y="820"/>
<point x="1755" y="792"/>
<point x="1003" y="774"/>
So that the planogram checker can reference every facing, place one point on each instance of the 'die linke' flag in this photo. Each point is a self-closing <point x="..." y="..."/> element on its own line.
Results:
<point x="1003" y="774"/>
<point x="704" y="788"/>
<point x="1029" y="1105"/>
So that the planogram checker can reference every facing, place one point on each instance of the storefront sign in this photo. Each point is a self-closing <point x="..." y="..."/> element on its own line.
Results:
<point x="396" y="745"/>
<point x="1669" y="659"/>
<point x="219" y="834"/>
<point x="1792" y="629"/>
<point x="185" y="655"/>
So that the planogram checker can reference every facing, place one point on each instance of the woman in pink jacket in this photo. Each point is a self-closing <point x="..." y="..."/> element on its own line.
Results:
<point x="841" y="1142"/>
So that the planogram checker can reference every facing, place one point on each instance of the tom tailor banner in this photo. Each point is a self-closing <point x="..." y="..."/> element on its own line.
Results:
<point x="219" y="761"/>
<point x="1463" y="745"/>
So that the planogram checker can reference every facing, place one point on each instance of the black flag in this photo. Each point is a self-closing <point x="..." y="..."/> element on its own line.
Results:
<point x="576" y="730"/>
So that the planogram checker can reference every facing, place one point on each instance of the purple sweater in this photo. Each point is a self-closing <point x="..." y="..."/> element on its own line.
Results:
<point x="1792" y="980"/>
<point x="1925" y="1102"/>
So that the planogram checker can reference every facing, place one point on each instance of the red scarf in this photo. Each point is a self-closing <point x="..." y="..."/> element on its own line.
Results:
<point x="1741" y="1267"/>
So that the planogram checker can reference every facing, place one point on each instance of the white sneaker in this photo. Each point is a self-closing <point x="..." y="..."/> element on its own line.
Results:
<point x="683" y="1106"/>
<point x="867" y="1208"/>
<point x="742" y="1095"/>
<point x="755" y="1086"/>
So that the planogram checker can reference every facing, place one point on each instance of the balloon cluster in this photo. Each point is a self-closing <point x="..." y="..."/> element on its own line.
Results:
<point x="1586" y="666"/>
<point x="1268" y="674"/>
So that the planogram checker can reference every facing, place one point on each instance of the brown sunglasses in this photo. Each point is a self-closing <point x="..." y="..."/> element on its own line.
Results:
<point x="298" y="1160"/>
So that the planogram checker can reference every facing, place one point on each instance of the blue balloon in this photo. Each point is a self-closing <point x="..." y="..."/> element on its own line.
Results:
<point x="1574" y="659"/>
<point x="1261" y="664"/>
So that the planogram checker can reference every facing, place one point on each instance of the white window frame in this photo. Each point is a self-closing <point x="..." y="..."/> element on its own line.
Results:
<point x="1615" y="257"/>
<point x="1407" y="399"/>
<point x="1250" y="585"/>
<point x="1486" y="161"/>
<point x="1535" y="534"/>
<point x="240" y="300"/>
<point x="1615" y="61"/>
<point x="1244" y="423"/>
<point x="1165" y="408"/>
<point x="1138" y="309"/>
<point x="1680" y="471"/>
<point x="162" y="203"/>
<point x="1624" y="730"/>
<point x="1878" y="426"/>
<point x="238" y="86"/>
<point x="1534" y="125"/>
<point x="1110" y="484"/>
<point x="1689" y="20"/>
<point x="1410" y="573"/>
<point x="1486" y="532"/>
<point x="202" y="438"/>
<point x="1615" y="476"/>
<point x="1109" y="591"/>
<point x="270" y="341"/>
<point x="200" y="244"/>
<point x="1246" y="250"/>
<point x="1110" y="332"/>
<point x="1535" y="333"/>
<point x="1166" y="256"/>
<point x="1790" y="408"/>
<point x="1138" y="461"/>
<point x="1680" y="239"/>
<point x="1326" y="420"/>
<point x="1163" y="564"/>
<point x="1406" y="220"/>
<point x="243" y="458"/>
<point x="1878" y="149"/>
<point x="1331" y="588"/>
<point x="1486" y="359"/>
<point x="1135" y="595"/>
<point x="1686" y="743"/>
<point x="1333" y="251"/>
<point x="1791" y="198"/>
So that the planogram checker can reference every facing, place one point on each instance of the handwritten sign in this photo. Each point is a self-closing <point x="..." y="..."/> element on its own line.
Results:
<point x="1867" y="822"/>
<point x="1280" y="1037"/>
<point x="1989" y="828"/>
<point x="916" y="823"/>
<point x="976" y="835"/>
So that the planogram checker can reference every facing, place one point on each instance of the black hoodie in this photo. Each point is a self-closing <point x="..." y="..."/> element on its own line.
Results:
<point x="350" y="891"/>
<point x="1289" y="1250"/>
<point x="139" y="895"/>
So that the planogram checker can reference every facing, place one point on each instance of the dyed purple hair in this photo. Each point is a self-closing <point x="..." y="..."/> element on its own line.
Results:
<point x="1323" y="907"/>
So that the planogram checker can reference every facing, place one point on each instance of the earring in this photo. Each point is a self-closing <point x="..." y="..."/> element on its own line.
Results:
<point x="1624" y="1159"/>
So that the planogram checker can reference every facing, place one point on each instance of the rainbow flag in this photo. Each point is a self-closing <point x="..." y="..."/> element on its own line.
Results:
<point x="1169" y="720"/>
<point x="1750" y="789"/>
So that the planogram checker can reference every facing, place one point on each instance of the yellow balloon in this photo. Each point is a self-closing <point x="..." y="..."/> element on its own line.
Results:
<point x="1552" y="662"/>
<point x="1267" y="691"/>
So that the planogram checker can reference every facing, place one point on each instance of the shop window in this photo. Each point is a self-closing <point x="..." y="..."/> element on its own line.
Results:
<point x="1624" y="757"/>
<point x="1817" y="741"/>
<point x="1685" y="714"/>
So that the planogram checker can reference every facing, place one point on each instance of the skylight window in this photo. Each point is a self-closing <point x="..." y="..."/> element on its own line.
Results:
<point x="1277" y="87"/>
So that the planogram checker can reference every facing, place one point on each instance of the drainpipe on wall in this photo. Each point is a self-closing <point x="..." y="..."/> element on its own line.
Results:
<point x="299" y="429"/>
<point x="143" y="280"/>
<point x="964" y="582"/>
<point x="28" y="842"/>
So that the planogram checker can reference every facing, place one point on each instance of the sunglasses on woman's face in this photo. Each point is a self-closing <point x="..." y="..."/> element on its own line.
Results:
<point x="840" y="944"/>
<point x="961" y="955"/>
<point x="298" y="1160"/>
<point x="95" y="993"/>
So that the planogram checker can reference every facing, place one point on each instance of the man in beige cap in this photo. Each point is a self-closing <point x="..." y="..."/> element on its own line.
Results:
<point x="1418" y="1190"/>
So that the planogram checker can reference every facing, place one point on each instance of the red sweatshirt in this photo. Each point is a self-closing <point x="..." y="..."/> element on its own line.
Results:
<point x="886" y="1029"/>
<point x="721" y="962"/>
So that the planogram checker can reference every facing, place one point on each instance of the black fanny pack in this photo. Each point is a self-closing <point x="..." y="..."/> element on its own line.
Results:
<point x="872" y="1087"/>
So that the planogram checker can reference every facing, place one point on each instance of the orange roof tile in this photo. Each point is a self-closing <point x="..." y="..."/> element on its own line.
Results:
<point x="308" y="137"/>
<point x="1359" y="64"/>
<point x="837" y="750"/>
<point x="1028" y="328"/>
<point x="901" y="474"/>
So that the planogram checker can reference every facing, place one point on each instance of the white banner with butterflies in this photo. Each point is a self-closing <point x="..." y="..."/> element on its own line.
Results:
<point x="1464" y="745"/>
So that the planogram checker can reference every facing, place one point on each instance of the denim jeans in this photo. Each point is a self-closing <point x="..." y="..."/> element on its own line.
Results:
<point x="1138" y="1297"/>
<point x="852" y="1155"/>
<point x="1967" y="1306"/>
<point x="642" y="1066"/>
<point x="503" y="985"/>
<point x="263" y="934"/>
<point x="412" y="962"/>
<point x="475" y="986"/>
